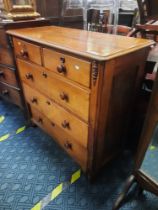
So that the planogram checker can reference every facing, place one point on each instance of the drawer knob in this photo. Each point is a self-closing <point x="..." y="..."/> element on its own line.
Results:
<point x="65" y="124"/>
<point x="53" y="124"/>
<point x="48" y="102"/>
<point x="62" y="59"/>
<point x="40" y="120"/>
<point x="68" y="145"/>
<point x="34" y="100"/>
<point x="44" y="74"/>
<point x="64" y="96"/>
<point x="29" y="76"/>
<point x="5" y="92"/>
<point x="61" y="69"/>
<point x="24" y="53"/>
<point x="1" y="74"/>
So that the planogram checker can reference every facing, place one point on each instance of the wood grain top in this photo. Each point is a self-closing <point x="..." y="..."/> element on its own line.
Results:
<point x="89" y="44"/>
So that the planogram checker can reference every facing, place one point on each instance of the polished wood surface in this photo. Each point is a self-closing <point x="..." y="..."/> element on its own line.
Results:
<point x="70" y="67"/>
<point x="10" y="94"/>
<point x="8" y="73"/>
<point x="98" y="100"/>
<point x="67" y="142"/>
<point x="69" y="123"/>
<point x="89" y="44"/>
<point x="54" y="86"/>
<point x="27" y="51"/>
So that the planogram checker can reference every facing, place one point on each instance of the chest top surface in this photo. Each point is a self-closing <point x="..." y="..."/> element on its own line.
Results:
<point x="89" y="44"/>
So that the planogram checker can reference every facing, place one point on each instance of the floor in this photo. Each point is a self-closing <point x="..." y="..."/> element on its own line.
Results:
<point x="32" y="166"/>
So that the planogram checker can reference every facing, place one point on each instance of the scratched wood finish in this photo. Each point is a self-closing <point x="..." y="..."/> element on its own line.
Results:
<point x="101" y="102"/>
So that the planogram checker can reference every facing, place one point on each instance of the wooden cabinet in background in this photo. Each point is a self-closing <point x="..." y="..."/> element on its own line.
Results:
<point x="81" y="87"/>
<point x="10" y="89"/>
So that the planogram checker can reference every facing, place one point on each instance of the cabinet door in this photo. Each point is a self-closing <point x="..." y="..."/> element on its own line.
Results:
<point x="49" y="8"/>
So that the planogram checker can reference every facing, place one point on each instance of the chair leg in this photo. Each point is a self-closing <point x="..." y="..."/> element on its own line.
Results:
<point x="122" y="196"/>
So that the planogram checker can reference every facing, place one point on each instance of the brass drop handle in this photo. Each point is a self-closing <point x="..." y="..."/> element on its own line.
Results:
<point x="65" y="124"/>
<point x="29" y="76"/>
<point x="40" y="120"/>
<point x="61" y="69"/>
<point x="44" y="74"/>
<point x="24" y="53"/>
<point x="5" y="92"/>
<point x="64" y="96"/>
<point x="1" y="73"/>
<point x="68" y="145"/>
<point x="34" y="100"/>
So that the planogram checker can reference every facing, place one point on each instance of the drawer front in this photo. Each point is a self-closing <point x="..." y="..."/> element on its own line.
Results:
<point x="66" y="141"/>
<point x="66" y="121"/>
<point x="8" y="76"/>
<point x="27" y="51"/>
<point x="3" y="39"/>
<point x="73" y="68"/>
<point x="6" y="57"/>
<point x="67" y="94"/>
<point x="10" y="94"/>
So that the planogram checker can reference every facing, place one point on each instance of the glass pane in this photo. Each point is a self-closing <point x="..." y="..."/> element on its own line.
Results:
<point x="150" y="162"/>
<point x="21" y="2"/>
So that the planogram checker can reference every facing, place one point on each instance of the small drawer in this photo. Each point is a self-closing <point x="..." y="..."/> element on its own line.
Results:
<point x="8" y="76"/>
<point x="66" y="121"/>
<point x="10" y="94"/>
<point x="6" y="57"/>
<point x="73" y="68"/>
<point x="78" y="152"/>
<point x="27" y="51"/>
<point x="72" y="97"/>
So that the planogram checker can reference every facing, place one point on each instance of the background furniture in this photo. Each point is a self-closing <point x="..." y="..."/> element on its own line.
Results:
<point x="10" y="89"/>
<point x="81" y="88"/>
<point x="146" y="177"/>
<point x="18" y="9"/>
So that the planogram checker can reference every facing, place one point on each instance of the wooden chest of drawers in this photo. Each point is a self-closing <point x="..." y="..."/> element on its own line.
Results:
<point x="10" y="89"/>
<point x="81" y="88"/>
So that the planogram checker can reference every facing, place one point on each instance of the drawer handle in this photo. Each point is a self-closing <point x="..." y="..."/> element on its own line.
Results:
<point x="44" y="74"/>
<point x="1" y="73"/>
<point x="64" y="96"/>
<point x="5" y="92"/>
<point x="61" y="69"/>
<point x="68" y="145"/>
<point x="24" y="54"/>
<point x="53" y="124"/>
<point x="29" y="76"/>
<point x="34" y="100"/>
<point x="65" y="124"/>
<point x="40" y="120"/>
<point x="48" y="102"/>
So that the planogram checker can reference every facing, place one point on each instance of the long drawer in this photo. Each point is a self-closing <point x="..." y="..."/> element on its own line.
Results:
<point x="7" y="75"/>
<point x="27" y="51"/>
<point x="78" y="152"/>
<point x="11" y="94"/>
<point x="69" y="95"/>
<point x="67" y="66"/>
<point x="66" y="121"/>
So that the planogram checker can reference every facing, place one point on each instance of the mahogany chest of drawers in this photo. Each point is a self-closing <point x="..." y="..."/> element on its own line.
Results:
<point x="10" y="89"/>
<point x="81" y="87"/>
